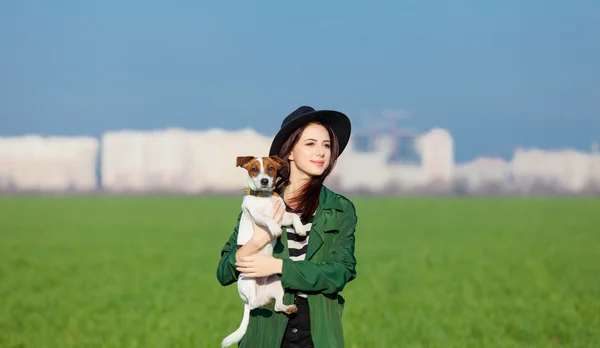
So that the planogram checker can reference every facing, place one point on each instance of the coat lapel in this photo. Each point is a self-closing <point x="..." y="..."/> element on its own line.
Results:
<point x="323" y="222"/>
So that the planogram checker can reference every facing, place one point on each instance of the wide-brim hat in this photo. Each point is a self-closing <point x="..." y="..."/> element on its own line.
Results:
<point x="339" y="123"/>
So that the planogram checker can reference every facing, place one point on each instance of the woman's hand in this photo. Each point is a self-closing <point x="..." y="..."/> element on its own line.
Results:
<point x="259" y="265"/>
<point x="261" y="234"/>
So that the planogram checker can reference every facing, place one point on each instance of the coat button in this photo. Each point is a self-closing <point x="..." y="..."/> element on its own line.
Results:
<point x="294" y="330"/>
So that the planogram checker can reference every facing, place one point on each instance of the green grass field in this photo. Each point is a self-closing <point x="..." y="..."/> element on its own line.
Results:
<point x="140" y="272"/>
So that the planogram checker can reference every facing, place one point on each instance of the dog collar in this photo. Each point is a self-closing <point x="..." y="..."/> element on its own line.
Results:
<point x="257" y="193"/>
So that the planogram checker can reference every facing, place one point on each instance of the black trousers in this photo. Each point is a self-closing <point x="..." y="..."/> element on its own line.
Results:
<point x="297" y="333"/>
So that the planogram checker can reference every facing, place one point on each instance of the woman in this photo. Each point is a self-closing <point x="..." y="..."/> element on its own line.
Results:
<point x="313" y="270"/>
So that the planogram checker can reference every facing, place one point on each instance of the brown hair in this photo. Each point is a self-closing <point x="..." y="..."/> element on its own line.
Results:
<point x="306" y="199"/>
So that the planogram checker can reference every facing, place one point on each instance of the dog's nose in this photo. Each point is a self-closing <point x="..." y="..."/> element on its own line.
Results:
<point x="264" y="181"/>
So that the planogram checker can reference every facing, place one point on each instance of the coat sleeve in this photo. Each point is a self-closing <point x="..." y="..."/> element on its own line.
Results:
<point x="331" y="276"/>
<point x="226" y="271"/>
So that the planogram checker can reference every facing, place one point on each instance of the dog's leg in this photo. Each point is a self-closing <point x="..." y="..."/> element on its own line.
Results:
<point x="262" y="293"/>
<point x="256" y="300"/>
<point x="247" y="290"/>
<point x="290" y="219"/>
<point x="278" y="293"/>
<point x="287" y="219"/>
<point x="298" y="226"/>
<point x="263" y="220"/>
<point x="256" y="304"/>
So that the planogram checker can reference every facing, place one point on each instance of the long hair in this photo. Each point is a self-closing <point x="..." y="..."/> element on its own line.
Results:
<point x="306" y="200"/>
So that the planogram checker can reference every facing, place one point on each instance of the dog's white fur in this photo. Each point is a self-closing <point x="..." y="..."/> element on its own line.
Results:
<point x="257" y="292"/>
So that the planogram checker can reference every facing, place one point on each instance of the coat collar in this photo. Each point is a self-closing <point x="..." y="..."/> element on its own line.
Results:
<point x="324" y="222"/>
<point x="328" y="200"/>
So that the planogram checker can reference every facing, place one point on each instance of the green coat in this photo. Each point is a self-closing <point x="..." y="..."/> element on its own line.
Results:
<point x="329" y="265"/>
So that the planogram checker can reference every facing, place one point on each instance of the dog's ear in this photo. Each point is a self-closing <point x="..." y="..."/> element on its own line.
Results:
<point x="242" y="160"/>
<point x="283" y="168"/>
<point x="284" y="171"/>
<point x="281" y="163"/>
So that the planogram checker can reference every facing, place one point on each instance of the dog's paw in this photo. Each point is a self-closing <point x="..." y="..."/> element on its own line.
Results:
<point x="275" y="230"/>
<point x="300" y="231"/>
<point x="291" y="309"/>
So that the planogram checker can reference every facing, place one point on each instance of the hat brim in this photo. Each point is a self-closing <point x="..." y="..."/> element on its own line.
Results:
<point x="339" y="123"/>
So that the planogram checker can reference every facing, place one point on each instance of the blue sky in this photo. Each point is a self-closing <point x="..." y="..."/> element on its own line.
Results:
<point x="497" y="75"/>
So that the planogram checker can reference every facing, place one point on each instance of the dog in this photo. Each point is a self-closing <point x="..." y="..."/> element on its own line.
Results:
<point x="258" y="204"/>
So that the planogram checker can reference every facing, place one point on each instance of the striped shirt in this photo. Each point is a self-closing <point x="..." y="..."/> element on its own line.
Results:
<point x="297" y="244"/>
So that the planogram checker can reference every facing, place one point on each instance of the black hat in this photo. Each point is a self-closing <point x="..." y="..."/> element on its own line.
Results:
<point x="339" y="123"/>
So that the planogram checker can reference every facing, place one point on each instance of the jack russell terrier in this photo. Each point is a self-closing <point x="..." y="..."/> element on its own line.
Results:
<point x="257" y="203"/>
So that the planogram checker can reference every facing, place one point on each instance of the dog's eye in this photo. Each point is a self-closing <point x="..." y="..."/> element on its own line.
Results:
<point x="254" y="170"/>
<point x="270" y="168"/>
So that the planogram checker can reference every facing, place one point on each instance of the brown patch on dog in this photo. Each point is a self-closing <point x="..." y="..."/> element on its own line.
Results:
<point x="250" y="163"/>
<point x="274" y="165"/>
<point x="240" y="161"/>
<point x="268" y="303"/>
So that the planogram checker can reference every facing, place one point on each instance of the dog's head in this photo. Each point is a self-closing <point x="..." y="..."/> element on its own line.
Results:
<point x="262" y="171"/>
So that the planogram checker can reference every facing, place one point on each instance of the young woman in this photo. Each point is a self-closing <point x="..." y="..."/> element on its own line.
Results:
<point x="313" y="269"/>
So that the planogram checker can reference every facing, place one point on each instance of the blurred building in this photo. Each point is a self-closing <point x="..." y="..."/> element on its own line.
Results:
<point x="177" y="159"/>
<point x="385" y="160"/>
<point x="483" y="174"/>
<point x="437" y="149"/>
<point x="566" y="169"/>
<point x="381" y="159"/>
<point x="373" y="170"/>
<point x="35" y="163"/>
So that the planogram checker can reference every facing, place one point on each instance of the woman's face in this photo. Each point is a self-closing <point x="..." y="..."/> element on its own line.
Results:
<point x="312" y="153"/>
